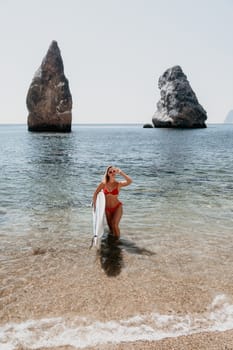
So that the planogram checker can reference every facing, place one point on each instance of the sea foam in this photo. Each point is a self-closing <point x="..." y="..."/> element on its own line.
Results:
<point x="83" y="332"/>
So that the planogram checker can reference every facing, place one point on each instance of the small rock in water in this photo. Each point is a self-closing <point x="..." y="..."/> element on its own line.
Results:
<point x="147" y="126"/>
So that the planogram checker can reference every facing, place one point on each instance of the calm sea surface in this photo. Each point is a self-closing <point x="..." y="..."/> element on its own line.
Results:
<point x="182" y="179"/>
<point x="173" y="265"/>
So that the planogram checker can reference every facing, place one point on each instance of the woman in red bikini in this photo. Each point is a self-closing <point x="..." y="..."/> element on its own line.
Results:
<point x="111" y="189"/>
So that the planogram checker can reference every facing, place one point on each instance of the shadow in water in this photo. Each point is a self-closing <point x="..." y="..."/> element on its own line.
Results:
<point x="132" y="248"/>
<point x="111" y="257"/>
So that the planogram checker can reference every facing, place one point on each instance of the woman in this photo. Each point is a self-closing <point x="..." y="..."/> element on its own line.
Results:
<point x="111" y="189"/>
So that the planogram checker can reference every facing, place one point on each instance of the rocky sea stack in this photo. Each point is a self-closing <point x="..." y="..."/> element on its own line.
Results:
<point x="178" y="106"/>
<point x="49" y="100"/>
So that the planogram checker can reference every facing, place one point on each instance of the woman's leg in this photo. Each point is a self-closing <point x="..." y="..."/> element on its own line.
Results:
<point x="109" y="220"/>
<point x="115" y="221"/>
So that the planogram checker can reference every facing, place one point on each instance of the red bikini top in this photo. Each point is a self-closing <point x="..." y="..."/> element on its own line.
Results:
<point x="114" y="191"/>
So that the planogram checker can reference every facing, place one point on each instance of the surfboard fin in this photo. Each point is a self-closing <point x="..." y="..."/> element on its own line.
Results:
<point x="93" y="242"/>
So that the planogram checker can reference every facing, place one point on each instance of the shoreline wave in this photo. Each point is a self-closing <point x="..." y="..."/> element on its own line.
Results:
<point x="81" y="332"/>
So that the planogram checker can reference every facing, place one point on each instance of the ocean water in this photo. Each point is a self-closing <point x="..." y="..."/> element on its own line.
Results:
<point x="179" y="205"/>
<point x="182" y="179"/>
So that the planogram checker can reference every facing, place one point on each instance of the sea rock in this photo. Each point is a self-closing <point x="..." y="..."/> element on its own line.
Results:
<point x="147" y="126"/>
<point x="49" y="100"/>
<point x="229" y="117"/>
<point x="178" y="106"/>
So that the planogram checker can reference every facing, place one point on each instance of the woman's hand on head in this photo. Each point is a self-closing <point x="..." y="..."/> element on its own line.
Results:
<point x="118" y="170"/>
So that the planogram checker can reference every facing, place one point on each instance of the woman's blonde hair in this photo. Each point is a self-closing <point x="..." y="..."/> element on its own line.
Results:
<point x="106" y="176"/>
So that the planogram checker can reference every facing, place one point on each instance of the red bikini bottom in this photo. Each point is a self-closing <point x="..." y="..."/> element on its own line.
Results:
<point x="113" y="209"/>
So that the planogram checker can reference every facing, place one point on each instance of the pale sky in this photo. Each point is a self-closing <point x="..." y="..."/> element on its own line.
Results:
<point x="114" y="52"/>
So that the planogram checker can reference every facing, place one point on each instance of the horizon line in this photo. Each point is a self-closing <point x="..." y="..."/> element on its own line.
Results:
<point x="93" y="123"/>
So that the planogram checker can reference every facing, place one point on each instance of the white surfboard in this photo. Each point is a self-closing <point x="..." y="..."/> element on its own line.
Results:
<point x="98" y="218"/>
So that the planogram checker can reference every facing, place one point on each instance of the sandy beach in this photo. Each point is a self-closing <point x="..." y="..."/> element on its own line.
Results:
<point x="203" y="341"/>
<point x="60" y="279"/>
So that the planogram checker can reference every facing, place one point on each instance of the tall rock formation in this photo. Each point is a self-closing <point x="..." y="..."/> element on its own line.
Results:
<point x="178" y="106"/>
<point x="49" y="100"/>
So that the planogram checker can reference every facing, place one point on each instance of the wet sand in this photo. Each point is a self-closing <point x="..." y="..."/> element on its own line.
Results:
<point x="202" y="341"/>
<point x="65" y="278"/>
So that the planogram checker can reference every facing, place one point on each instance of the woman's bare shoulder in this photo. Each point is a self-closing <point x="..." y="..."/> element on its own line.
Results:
<point x="101" y="185"/>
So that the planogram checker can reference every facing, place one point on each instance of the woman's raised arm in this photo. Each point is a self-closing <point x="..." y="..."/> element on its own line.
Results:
<point x="127" y="178"/>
